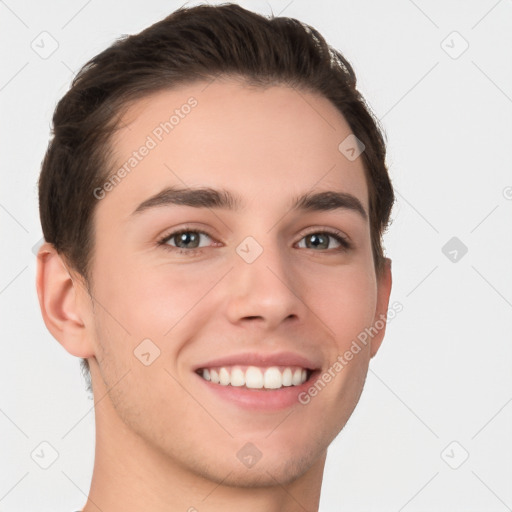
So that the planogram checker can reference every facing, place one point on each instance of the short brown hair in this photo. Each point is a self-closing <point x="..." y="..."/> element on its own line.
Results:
<point x="191" y="44"/>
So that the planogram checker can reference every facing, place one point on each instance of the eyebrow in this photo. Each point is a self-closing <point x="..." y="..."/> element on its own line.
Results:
<point x="206" y="197"/>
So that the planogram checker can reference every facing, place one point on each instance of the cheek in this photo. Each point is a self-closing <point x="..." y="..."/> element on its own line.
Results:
<point x="347" y="306"/>
<point x="155" y="302"/>
<point x="344" y="300"/>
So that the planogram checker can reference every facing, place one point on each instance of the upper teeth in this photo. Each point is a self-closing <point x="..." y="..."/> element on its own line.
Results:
<point x="256" y="378"/>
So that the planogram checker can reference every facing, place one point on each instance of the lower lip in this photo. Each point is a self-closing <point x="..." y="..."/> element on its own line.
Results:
<point x="260" y="399"/>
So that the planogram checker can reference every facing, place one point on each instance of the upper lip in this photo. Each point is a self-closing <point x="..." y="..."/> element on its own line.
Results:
<point x="261" y="359"/>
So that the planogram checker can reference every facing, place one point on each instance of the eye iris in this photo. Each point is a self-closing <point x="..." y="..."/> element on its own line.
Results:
<point x="186" y="238"/>
<point x="316" y="242"/>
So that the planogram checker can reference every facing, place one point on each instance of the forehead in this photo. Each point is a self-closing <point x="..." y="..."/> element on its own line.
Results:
<point x="263" y="143"/>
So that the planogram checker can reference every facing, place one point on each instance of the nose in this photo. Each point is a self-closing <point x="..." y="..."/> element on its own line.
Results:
<point x="265" y="292"/>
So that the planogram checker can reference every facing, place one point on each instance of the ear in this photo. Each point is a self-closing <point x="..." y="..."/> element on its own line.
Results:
<point x="60" y="299"/>
<point x="384" y="282"/>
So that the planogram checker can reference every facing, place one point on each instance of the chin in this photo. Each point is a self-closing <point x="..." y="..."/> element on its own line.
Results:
<point x="270" y="470"/>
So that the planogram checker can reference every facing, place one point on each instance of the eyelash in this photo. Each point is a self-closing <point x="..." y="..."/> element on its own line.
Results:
<point x="345" y="245"/>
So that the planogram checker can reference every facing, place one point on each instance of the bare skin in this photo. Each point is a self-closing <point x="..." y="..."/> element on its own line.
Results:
<point x="166" y="439"/>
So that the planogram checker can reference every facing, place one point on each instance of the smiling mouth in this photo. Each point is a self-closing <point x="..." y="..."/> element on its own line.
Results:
<point x="255" y="377"/>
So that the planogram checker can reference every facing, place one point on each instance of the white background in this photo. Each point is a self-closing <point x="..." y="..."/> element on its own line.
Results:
<point x="444" y="371"/>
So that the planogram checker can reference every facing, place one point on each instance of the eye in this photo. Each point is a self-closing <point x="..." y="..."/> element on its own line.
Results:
<point x="185" y="240"/>
<point x="321" y="240"/>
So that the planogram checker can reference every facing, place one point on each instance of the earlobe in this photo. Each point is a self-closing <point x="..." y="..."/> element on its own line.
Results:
<point x="384" y="282"/>
<point x="58" y="292"/>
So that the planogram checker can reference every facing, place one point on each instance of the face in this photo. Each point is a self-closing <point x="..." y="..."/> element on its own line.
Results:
<point x="213" y="307"/>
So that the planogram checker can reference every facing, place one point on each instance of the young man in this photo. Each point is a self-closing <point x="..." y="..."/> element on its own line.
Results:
<point x="213" y="202"/>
